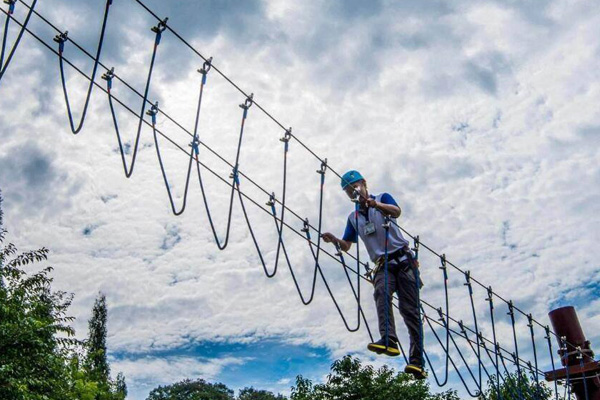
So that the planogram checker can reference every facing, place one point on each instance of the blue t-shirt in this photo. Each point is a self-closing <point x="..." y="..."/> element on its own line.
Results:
<point x="374" y="242"/>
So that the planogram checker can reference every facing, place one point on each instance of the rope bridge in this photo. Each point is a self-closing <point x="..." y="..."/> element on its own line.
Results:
<point x="475" y="357"/>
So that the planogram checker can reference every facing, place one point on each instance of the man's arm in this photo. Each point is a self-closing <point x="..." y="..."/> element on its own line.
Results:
<point x="387" y="205"/>
<point x="330" y="238"/>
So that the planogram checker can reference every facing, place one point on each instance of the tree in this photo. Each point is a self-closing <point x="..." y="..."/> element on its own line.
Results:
<point x="96" y="362"/>
<point x="40" y="358"/>
<point x="120" y="387"/>
<point x="249" y="393"/>
<point x="35" y="336"/>
<point x="349" y="380"/>
<point x="511" y="387"/>
<point x="188" y="389"/>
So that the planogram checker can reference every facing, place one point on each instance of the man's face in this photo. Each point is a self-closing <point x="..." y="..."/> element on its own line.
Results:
<point x="360" y="187"/>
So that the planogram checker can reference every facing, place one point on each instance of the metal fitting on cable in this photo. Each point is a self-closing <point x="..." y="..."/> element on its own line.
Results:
<point x="530" y="320"/>
<point x="286" y="138"/>
<point x="338" y="250"/>
<point x="415" y="249"/>
<point x="547" y="329"/>
<point x="61" y="38"/>
<point x="271" y="203"/>
<point x="511" y="311"/>
<point x="159" y="29"/>
<point x="306" y="228"/>
<point x="323" y="168"/>
<point x="152" y="112"/>
<point x="194" y="145"/>
<point x="461" y="325"/>
<point x="108" y="77"/>
<point x="235" y="175"/>
<point x="443" y="267"/>
<point x="11" y="6"/>
<point x="205" y="68"/>
<point x="441" y="315"/>
<point x="490" y="297"/>
<point x="386" y="222"/>
<point x="247" y="104"/>
<point x="468" y="281"/>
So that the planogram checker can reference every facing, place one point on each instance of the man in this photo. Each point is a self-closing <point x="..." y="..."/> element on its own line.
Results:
<point x="401" y="275"/>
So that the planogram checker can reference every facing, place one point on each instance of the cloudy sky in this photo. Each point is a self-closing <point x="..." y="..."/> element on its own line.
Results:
<point x="479" y="117"/>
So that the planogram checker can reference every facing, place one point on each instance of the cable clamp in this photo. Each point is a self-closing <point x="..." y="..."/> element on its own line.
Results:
<point x="205" y="68"/>
<point x="386" y="223"/>
<point x="61" y="38"/>
<point x="287" y="135"/>
<point x="235" y="175"/>
<point x="547" y="329"/>
<point x="441" y="315"/>
<point x="490" y="297"/>
<point x="415" y="249"/>
<point x="159" y="29"/>
<point x="194" y="145"/>
<point x="461" y="325"/>
<point x="338" y="249"/>
<point x="323" y="168"/>
<point x="271" y="202"/>
<point x="11" y="6"/>
<point x="247" y="104"/>
<point x="510" y="309"/>
<point x="108" y="77"/>
<point x="152" y="112"/>
<point x="530" y="320"/>
<point x="306" y="227"/>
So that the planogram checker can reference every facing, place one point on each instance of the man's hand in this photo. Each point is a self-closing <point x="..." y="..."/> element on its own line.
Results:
<point x="329" y="237"/>
<point x="371" y="203"/>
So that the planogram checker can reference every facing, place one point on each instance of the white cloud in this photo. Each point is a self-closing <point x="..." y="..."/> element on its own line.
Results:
<point x="480" y="119"/>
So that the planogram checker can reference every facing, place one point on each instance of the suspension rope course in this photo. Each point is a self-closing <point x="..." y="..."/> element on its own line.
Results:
<point x="496" y="355"/>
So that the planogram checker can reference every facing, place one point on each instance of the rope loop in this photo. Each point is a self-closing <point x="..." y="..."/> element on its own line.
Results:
<point x="547" y="329"/>
<point x="306" y="228"/>
<point x="286" y="139"/>
<point x="530" y="320"/>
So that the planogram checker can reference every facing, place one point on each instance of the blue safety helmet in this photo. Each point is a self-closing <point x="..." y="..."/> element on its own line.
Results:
<point x="350" y="177"/>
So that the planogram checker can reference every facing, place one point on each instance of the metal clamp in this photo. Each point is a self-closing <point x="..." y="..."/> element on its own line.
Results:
<point x="323" y="168"/>
<point x="108" y="77"/>
<point x="160" y="28"/>
<point x="152" y="112"/>
<point x="61" y="38"/>
<point x="248" y="102"/>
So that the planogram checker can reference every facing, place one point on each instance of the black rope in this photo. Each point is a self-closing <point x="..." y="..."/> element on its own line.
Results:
<point x="9" y="15"/>
<point x="61" y="39"/>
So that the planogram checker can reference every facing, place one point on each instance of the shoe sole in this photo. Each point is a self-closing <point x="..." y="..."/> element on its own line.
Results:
<point x="417" y="373"/>
<point x="388" y="351"/>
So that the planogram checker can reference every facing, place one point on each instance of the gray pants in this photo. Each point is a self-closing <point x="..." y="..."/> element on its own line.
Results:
<point x="402" y="280"/>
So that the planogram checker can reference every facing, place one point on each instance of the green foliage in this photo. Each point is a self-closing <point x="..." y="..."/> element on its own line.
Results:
<point x="39" y="355"/>
<point x="511" y="387"/>
<point x="253" y="394"/>
<point x="188" y="389"/>
<point x="95" y="361"/>
<point x="349" y="380"/>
